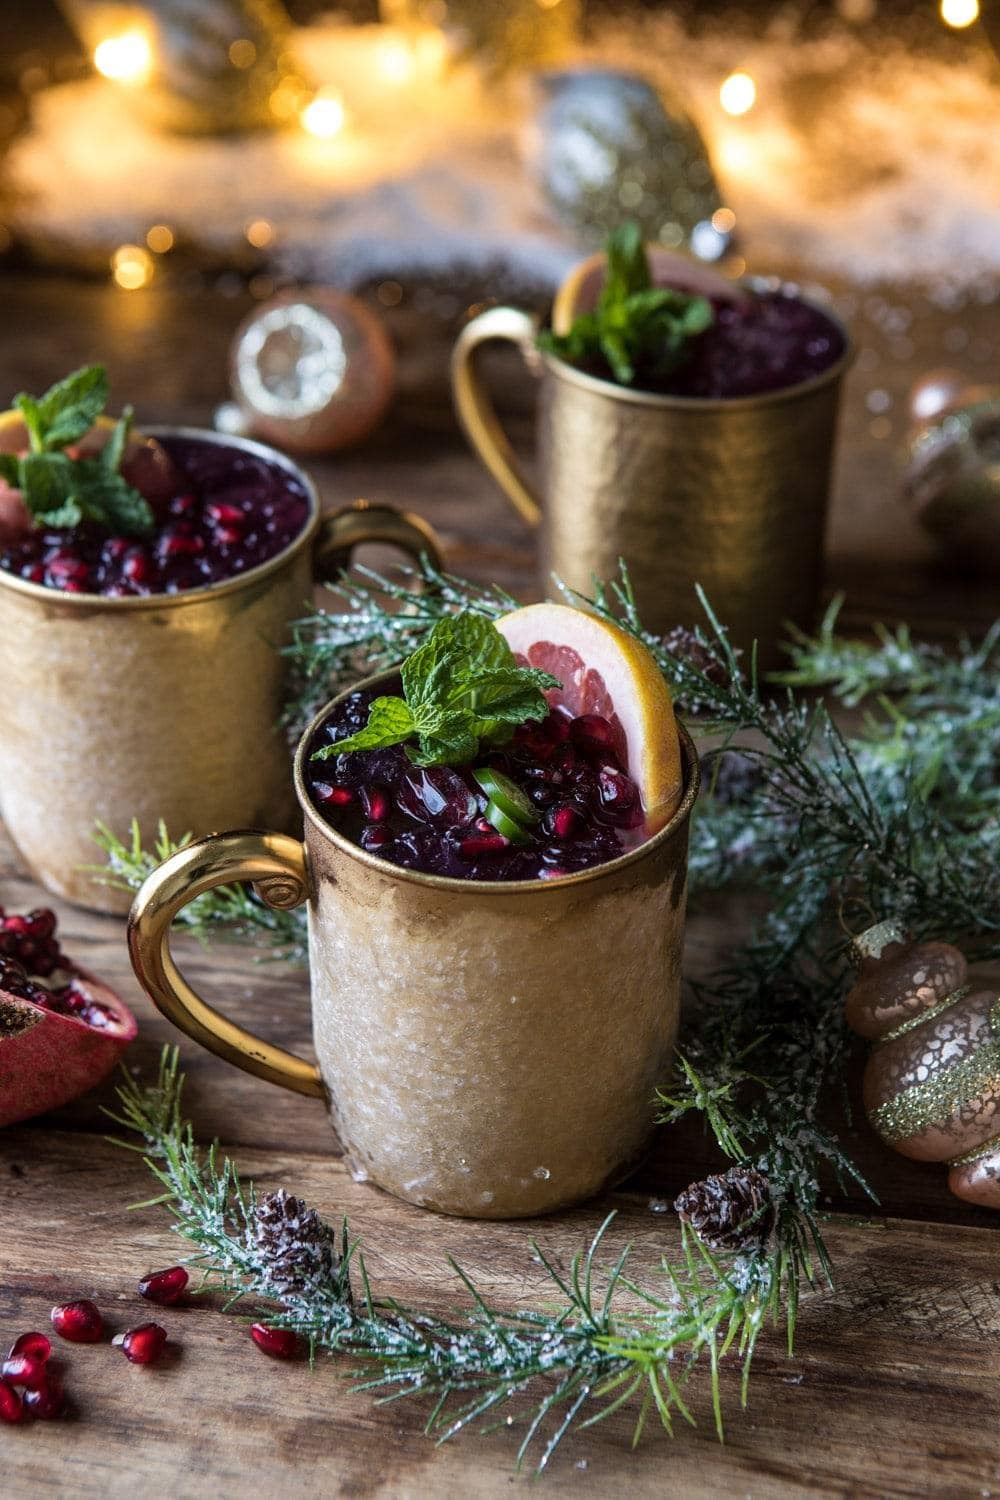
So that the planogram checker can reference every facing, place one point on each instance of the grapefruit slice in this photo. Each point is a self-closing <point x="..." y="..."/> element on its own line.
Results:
<point x="606" y="671"/>
<point x="582" y="285"/>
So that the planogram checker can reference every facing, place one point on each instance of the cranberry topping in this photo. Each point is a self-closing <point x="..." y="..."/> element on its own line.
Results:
<point x="432" y="818"/>
<point x="764" y="342"/>
<point x="233" y="511"/>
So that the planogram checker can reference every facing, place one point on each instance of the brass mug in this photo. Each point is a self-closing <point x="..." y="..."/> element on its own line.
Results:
<point x="731" y="494"/>
<point x="161" y="706"/>
<point x="485" y="1049"/>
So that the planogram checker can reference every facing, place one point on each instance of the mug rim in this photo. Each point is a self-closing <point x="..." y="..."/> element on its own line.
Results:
<point x="680" y="815"/>
<point x="45" y="595"/>
<point x="612" y="390"/>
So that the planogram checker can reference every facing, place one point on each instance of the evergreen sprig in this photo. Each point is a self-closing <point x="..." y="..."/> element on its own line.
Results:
<point x="896" y="817"/>
<point x="607" y="1343"/>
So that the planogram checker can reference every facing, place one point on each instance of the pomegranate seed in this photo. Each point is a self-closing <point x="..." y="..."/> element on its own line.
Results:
<point x="11" y="1405"/>
<point x="337" y="796"/>
<point x="228" y="536"/>
<point x="24" y="1369"/>
<point x="225" y="515"/>
<point x="616" y="790"/>
<point x="375" y="802"/>
<point x="142" y="1345"/>
<point x="65" y="567"/>
<point x="42" y="923"/>
<point x="35" y="573"/>
<point x="552" y="872"/>
<point x="175" y="544"/>
<point x="115" y="548"/>
<point x="374" y="836"/>
<point x="48" y="1401"/>
<point x="138" y="566"/>
<point x="182" y="505"/>
<point x="475" y="845"/>
<point x="35" y="1344"/>
<point x="280" y="1343"/>
<point x="78" y="1322"/>
<point x="164" y="1287"/>
<point x="17" y="924"/>
<point x="565" y="821"/>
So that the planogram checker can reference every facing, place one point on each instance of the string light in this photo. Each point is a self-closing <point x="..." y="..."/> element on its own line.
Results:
<point x="259" y="233"/>
<point x="395" y="61"/>
<point x="959" y="13"/>
<point x="738" y="93"/>
<point x="127" y="58"/>
<point x="160" y="238"/>
<point x="324" y="115"/>
<point x="132" y="267"/>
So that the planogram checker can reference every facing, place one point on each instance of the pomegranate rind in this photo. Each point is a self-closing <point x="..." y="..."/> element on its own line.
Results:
<point x="47" y="1059"/>
<point x="556" y="638"/>
<point x="582" y="285"/>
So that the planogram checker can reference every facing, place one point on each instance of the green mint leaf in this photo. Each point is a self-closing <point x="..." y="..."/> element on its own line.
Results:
<point x="628" y="268"/>
<point x="45" y="481"/>
<point x="113" y="452"/>
<point x="389" y="723"/>
<point x="511" y="696"/>
<point x="110" y="500"/>
<point x="455" y="744"/>
<point x="69" y="409"/>
<point x="28" y="407"/>
<point x="10" y="468"/>
<point x="66" y="515"/>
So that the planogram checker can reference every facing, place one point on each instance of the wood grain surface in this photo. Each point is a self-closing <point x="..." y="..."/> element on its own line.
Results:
<point x="894" y="1387"/>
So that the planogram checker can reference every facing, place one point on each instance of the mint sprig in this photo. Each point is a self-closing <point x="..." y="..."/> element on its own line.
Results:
<point x="461" y="689"/>
<point x="61" y="491"/>
<point x="641" y="332"/>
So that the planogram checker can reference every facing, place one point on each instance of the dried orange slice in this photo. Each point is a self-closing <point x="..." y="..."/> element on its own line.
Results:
<point x="606" y="671"/>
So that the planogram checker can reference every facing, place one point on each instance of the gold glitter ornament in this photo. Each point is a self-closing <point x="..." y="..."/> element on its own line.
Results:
<point x="312" y="370"/>
<point x="607" y="146"/>
<point x="932" y="1085"/>
<point x="952" y="476"/>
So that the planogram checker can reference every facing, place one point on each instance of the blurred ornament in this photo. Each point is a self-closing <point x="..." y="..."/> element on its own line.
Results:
<point x="607" y="146"/>
<point x="200" y="67"/>
<point x="932" y="1084"/>
<point x="952" y="476"/>
<point x="311" y="370"/>
<point x="498" y="38"/>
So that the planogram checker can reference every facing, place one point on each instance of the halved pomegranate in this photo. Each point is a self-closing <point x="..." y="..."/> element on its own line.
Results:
<point x="61" y="1028"/>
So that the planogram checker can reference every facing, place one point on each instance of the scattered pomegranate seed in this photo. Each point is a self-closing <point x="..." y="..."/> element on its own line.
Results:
<point x="565" y="821"/>
<point x="35" y="1344"/>
<point x="25" y="1370"/>
<point x="48" y="1401"/>
<point x="78" y="1322"/>
<point x="11" y="1405"/>
<point x="142" y="1345"/>
<point x="164" y="1287"/>
<point x="280" y="1343"/>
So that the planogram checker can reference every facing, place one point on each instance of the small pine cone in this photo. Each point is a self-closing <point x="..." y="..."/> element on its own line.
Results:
<point x="730" y="1211"/>
<point x="297" y="1244"/>
<point x="685" y="645"/>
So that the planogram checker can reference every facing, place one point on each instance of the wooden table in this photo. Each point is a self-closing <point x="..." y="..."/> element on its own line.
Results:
<point x="894" y="1388"/>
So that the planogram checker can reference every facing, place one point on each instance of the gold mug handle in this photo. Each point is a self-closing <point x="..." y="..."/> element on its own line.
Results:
<point x="476" y="412"/>
<point x="343" y="530"/>
<point x="276" y="865"/>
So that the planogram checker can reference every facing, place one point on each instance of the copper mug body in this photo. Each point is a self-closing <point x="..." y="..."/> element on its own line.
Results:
<point x="164" y="706"/>
<point x="484" y="1049"/>
<point x="728" y="494"/>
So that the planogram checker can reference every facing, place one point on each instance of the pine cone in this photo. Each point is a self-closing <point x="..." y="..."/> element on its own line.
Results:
<point x="298" y="1246"/>
<point x="730" y="1211"/>
<point x="685" y="646"/>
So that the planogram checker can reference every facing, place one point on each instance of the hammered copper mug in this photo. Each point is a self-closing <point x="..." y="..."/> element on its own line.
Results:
<point x="485" y="1049"/>
<point x="730" y="494"/>
<point x="165" y="706"/>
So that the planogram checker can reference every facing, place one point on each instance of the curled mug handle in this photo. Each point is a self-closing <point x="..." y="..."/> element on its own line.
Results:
<point x="276" y="865"/>
<point x="476" y="411"/>
<point x="342" y="530"/>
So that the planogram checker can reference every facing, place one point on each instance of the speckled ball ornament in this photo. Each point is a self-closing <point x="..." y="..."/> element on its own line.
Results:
<point x="952" y="476"/>
<point x="312" y="371"/>
<point x="932" y="1085"/>
<point x="607" y="146"/>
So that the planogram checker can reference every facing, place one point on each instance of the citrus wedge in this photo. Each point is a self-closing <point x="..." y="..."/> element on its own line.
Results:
<point x="582" y="285"/>
<point x="606" y="671"/>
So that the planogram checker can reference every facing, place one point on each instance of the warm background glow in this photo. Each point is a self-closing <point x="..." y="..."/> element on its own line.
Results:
<point x="738" y="94"/>
<point x="324" y="116"/>
<point x="959" y="13"/>
<point x="127" y="58"/>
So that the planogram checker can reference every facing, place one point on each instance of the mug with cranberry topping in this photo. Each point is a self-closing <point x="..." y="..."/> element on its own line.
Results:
<point x="491" y="1017"/>
<point x="143" y="675"/>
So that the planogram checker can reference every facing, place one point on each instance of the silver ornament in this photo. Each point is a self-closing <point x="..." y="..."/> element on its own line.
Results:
<point x="607" y="146"/>
<point x="952" y="481"/>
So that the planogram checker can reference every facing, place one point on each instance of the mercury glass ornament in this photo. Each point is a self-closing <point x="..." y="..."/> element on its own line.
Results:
<point x="214" y="65"/>
<point x="312" y="370"/>
<point x="932" y="1085"/>
<point x="952" y="476"/>
<point x="607" y="146"/>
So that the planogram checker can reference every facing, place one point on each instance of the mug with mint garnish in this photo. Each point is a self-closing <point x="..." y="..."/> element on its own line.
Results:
<point x="494" y="865"/>
<point x="147" y="582"/>
<point x="686" y="424"/>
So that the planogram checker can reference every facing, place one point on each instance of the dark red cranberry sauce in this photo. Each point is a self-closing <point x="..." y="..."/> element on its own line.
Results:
<point x="766" y="341"/>
<point x="432" y="818"/>
<point x="32" y="967"/>
<point x="231" y="511"/>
